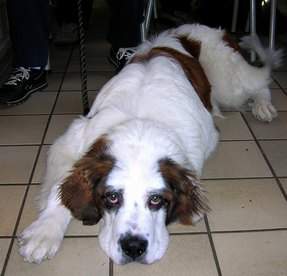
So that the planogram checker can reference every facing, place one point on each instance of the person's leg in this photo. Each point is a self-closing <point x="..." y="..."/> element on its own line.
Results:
<point x="29" y="30"/>
<point x="124" y="32"/>
<point x="126" y="17"/>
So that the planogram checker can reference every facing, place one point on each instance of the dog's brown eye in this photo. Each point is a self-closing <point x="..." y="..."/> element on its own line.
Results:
<point x="155" y="202"/>
<point x="113" y="198"/>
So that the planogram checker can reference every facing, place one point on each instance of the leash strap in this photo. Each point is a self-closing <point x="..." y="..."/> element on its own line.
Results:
<point x="84" y="85"/>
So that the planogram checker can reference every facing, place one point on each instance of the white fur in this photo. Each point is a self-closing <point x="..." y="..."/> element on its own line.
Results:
<point x="137" y="175"/>
<point x="233" y="80"/>
<point x="147" y="117"/>
<point x="148" y="111"/>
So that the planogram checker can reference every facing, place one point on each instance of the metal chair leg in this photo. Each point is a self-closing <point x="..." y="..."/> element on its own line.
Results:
<point x="272" y="25"/>
<point x="252" y="16"/>
<point x="150" y="8"/>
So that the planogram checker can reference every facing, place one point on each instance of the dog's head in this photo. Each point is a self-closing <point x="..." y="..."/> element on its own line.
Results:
<point x="136" y="196"/>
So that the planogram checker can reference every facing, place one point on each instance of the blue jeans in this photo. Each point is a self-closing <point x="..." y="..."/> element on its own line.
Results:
<point x="29" y="31"/>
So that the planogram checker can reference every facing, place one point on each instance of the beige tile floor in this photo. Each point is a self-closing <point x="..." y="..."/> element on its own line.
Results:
<point x="246" y="183"/>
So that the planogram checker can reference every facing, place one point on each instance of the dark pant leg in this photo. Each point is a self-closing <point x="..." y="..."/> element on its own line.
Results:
<point x="29" y="29"/>
<point x="125" y="19"/>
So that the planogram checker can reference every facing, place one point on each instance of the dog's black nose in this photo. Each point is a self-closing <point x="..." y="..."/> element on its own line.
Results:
<point x="133" y="246"/>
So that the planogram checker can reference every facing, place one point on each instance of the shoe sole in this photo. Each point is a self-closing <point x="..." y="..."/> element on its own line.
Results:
<point x="28" y="95"/>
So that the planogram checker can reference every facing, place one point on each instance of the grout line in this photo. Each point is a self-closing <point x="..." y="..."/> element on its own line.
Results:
<point x="253" y="140"/>
<point x="44" y="114"/>
<point x="248" y="231"/>
<point x="230" y="231"/>
<point x="79" y="236"/>
<point x="212" y="246"/>
<point x="237" y="178"/>
<point x="111" y="267"/>
<point x="17" y="184"/>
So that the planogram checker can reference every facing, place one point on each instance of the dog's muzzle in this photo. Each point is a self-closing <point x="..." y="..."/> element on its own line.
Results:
<point x="133" y="247"/>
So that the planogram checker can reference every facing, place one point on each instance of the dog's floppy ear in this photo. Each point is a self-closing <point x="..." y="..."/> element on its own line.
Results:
<point x="188" y="203"/>
<point x="81" y="192"/>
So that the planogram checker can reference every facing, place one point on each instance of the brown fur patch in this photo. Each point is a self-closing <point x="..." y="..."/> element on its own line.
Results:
<point x="192" y="46"/>
<point x="191" y="67"/>
<point x="83" y="190"/>
<point x="188" y="198"/>
<point x="230" y="41"/>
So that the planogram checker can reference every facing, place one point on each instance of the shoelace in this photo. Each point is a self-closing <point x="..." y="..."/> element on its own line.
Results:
<point x="125" y="53"/>
<point x="18" y="75"/>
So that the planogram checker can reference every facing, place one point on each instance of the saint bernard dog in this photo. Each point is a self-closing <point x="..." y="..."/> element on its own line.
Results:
<point x="135" y="161"/>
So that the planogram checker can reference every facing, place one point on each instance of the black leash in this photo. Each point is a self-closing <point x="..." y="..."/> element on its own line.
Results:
<point x="84" y="85"/>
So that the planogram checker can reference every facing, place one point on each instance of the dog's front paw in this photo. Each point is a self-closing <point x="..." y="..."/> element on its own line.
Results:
<point x="40" y="241"/>
<point x="264" y="111"/>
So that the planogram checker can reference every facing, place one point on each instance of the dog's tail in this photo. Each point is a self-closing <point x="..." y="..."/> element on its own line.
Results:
<point x="270" y="58"/>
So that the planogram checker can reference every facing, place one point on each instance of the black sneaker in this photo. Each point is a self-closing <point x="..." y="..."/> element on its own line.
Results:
<point x="21" y="84"/>
<point x="120" y="56"/>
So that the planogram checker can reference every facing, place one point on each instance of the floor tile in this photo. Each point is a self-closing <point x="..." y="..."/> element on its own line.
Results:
<point x="233" y="127"/>
<point x="59" y="65"/>
<point x="280" y="77"/>
<point x="95" y="80"/>
<point x="72" y="102"/>
<point x="277" y="129"/>
<point x="41" y="165"/>
<point x="30" y="213"/>
<point x="279" y="99"/>
<point x="22" y="129"/>
<point x="276" y="152"/>
<point x="16" y="163"/>
<point x="69" y="102"/>
<point x="236" y="160"/>
<point x="54" y="81"/>
<point x="245" y="205"/>
<point x="39" y="103"/>
<point x="186" y="256"/>
<point x="11" y="199"/>
<point x="176" y="228"/>
<point x="76" y="256"/>
<point x="273" y="84"/>
<point x="57" y="127"/>
<point x="4" y="245"/>
<point x="93" y="64"/>
<point x="259" y="253"/>
<point x="284" y="183"/>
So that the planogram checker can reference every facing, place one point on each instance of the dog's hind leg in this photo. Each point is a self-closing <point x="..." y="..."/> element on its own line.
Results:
<point x="262" y="108"/>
